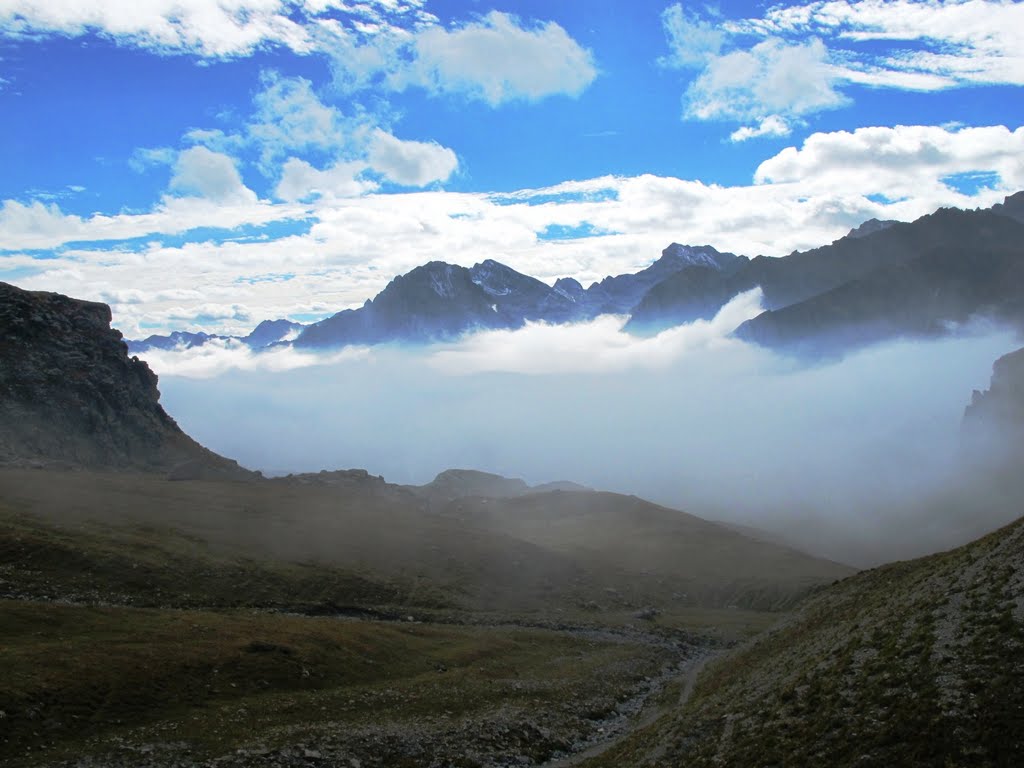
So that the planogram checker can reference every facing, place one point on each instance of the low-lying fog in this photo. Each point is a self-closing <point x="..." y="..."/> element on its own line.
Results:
<point x="843" y="458"/>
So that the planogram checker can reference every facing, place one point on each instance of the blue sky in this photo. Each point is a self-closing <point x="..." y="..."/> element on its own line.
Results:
<point x="213" y="163"/>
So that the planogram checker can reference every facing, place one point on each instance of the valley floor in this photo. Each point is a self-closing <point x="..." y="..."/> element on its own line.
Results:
<point x="120" y="686"/>
<point x="125" y="641"/>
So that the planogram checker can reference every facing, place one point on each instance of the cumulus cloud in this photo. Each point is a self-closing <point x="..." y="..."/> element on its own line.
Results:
<point x="290" y="120"/>
<point x="772" y="78"/>
<point x="200" y="172"/>
<point x="498" y="59"/>
<point x="770" y="126"/>
<point x="901" y="161"/>
<point x="301" y="181"/>
<point x="410" y="163"/>
<point x="799" y="60"/>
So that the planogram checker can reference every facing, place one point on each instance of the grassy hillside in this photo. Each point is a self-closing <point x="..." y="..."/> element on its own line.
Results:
<point x="282" y="544"/>
<point x="915" y="663"/>
<point x="675" y="557"/>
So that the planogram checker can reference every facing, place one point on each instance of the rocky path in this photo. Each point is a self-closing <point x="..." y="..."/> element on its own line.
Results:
<point x="686" y="674"/>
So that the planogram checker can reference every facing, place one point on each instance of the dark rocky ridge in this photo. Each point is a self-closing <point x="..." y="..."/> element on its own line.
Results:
<point x="70" y="395"/>
<point x="993" y="425"/>
<point x="857" y="268"/>
<point x="940" y="290"/>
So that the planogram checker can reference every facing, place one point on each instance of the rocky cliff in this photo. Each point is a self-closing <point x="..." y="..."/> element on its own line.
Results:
<point x="994" y="421"/>
<point x="70" y="395"/>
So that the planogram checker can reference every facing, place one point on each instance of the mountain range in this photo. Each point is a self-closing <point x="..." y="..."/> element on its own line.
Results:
<point x="883" y="280"/>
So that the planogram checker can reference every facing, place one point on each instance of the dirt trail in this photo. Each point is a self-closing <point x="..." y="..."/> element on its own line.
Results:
<point x="688" y="675"/>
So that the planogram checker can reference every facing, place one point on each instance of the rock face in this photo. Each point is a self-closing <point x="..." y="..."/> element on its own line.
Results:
<point x="70" y="395"/>
<point x="995" y="417"/>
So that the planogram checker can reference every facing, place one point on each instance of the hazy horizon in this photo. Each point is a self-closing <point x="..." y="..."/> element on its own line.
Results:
<point x="690" y="418"/>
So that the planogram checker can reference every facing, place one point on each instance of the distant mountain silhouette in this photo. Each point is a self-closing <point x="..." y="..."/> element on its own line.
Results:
<point x="265" y="334"/>
<point x="440" y="301"/>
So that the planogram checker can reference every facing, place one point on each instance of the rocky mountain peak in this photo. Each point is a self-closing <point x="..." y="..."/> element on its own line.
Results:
<point x="694" y="256"/>
<point x="570" y="288"/>
<point x="869" y="227"/>
<point x="1012" y="206"/>
<point x="495" y="278"/>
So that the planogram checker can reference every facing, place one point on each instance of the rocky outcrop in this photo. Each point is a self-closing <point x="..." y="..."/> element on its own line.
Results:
<point x="458" y="483"/>
<point x="70" y="395"/>
<point x="995" y="417"/>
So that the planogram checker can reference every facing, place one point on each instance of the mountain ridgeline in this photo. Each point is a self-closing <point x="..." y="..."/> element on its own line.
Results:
<point x="883" y="280"/>
<point x="440" y="301"/>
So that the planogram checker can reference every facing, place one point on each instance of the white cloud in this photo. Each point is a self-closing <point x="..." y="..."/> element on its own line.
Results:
<point x="692" y="40"/>
<point x="32" y="226"/>
<point x="599" y="346"/>
<point x="390" y="43"/>
<point x="219" y="356"/>
<point x="411" y="163"/>
<point x="215" y="29"/>
<point x="773" y="78"/>
<point x="301" y="181"/>
<point x="899" y="162"/>
<point x="290" y="118"/>
<point x="964" y="42"/>
<point x="799" y="60"/>
<point x="207" y="28"/>
<point x="144" y="158"/>
<point x="497" y="59"/>
<point x="769" y="126"/>
<point x="200" y="172"/>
